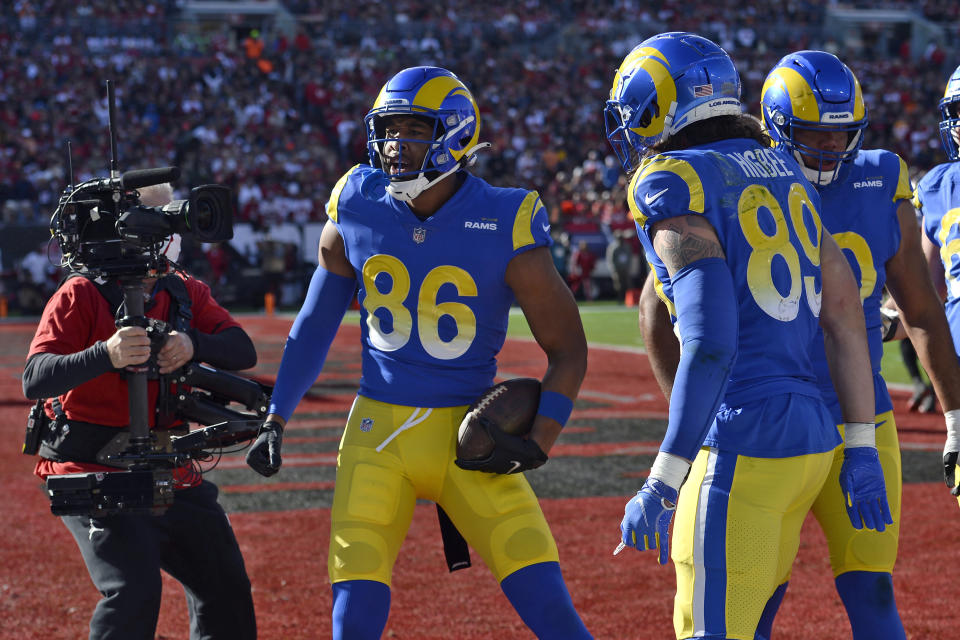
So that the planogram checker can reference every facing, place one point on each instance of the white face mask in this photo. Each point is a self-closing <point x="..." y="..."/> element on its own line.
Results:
<point x="823" y="177"/>
<point x="819" y="177"/>
<point x="408" y="190"/>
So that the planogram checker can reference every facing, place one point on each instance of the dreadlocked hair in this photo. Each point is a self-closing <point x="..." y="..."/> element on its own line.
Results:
<point x="712" y="130"/>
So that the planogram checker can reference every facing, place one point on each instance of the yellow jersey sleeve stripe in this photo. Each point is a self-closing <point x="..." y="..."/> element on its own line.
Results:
<point x="638" y="216"/>
<point x="915" y="201"/>
<point x="682" y="169"/>
<point x="334" y="201"/>
<point x="522" y="235"/>
<point x="904" y="192"/>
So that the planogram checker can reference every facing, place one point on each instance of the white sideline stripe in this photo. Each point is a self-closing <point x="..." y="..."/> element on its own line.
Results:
<point x="600" y="395"/>
<point x="587" y="393"/>
<point x="922" y="446"/>
<point x="592" y="346"/>
<point x="635" y="450"/>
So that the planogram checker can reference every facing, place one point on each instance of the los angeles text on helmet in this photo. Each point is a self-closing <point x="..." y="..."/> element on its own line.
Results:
<point x="722" y="103"/>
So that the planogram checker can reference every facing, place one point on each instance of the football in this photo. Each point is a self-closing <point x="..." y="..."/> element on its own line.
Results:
<point x="511" y="405"/>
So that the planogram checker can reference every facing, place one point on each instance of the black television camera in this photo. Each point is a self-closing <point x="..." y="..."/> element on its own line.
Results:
<point x="103" y="229"/>
<point x="105" y="232"/>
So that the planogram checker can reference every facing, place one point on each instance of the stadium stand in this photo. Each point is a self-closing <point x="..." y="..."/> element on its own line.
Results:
<point x="268" y="98"/>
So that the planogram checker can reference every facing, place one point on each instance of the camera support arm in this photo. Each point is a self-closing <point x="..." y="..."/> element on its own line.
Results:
<point x="137" y="374"/>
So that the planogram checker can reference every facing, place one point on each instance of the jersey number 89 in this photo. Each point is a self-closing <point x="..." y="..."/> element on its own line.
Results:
<point x="429" y="311"/>
<point x="767" y="247"/>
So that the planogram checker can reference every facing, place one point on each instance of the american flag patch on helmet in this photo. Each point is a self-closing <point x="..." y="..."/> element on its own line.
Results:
<point x="703" y="90"/>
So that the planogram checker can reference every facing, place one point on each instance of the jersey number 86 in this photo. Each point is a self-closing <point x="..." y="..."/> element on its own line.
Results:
<point x="429" y="311"/>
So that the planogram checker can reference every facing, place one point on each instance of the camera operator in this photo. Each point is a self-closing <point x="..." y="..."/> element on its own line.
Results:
<point x="77" y="358"/>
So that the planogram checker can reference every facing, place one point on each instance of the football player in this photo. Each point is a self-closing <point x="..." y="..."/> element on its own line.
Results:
<point x="733" y="230"/>
<point x="439" y="256"/>
<point x="938" y="197"/>
<point x="814" y="110"/>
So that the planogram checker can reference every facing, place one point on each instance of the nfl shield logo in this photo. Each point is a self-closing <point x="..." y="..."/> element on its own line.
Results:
<point x="419" y="235"/>
<point x="366" y="424"/>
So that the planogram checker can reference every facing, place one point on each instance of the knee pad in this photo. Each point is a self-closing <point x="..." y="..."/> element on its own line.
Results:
<point x="358" y="553"/>
<point x="521" y="539"/>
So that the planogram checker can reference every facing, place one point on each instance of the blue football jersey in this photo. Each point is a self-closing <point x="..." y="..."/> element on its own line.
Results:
<point x="765" y="214"/>
<point x="938" y="198"/>
<point x="433" y="301"/>
<point x="860" y="212"/>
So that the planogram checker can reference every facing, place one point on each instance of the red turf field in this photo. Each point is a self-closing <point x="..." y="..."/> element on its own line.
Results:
<point x="283" y="527"/>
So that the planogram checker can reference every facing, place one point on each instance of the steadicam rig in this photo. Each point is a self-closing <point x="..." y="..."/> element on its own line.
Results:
<point x="105" y="232"/>
<point x="146" y="486"/>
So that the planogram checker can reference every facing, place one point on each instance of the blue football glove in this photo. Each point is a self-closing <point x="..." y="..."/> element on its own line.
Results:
<point x="864" y="490"/>
<point x="646" y="518"/>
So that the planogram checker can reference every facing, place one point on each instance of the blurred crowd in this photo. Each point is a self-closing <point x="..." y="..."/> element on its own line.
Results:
<point x="274" y="110"/>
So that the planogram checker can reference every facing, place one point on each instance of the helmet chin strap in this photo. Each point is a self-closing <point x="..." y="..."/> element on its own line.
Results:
<point x="668" y="120"/>
<point x="409" y="190"/>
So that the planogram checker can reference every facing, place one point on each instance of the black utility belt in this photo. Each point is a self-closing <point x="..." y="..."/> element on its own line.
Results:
<point x="74" y="441"/>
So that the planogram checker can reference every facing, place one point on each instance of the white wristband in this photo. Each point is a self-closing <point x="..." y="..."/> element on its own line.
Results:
<point x="860" y="434"/>
<point x="669" y="469"/>
<point x="952" y="418"/>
